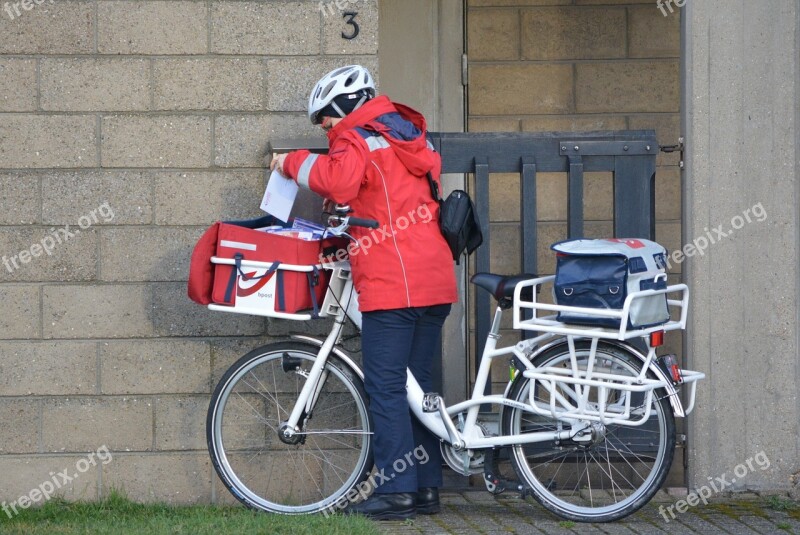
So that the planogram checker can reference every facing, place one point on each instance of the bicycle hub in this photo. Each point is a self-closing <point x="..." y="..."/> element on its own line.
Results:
<point x="287" y="436"/>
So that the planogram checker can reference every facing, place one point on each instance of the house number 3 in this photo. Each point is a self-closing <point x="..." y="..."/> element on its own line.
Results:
<point x="350" y="17"/>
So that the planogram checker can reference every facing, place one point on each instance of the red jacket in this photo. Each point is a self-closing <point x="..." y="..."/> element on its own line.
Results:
<point x="377" y="163"/>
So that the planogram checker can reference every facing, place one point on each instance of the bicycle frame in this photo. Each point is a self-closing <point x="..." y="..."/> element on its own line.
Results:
<point x="471" y="437"/>
<point x="338" y="302"/>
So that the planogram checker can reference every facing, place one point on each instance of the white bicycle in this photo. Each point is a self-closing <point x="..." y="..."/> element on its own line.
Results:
<point x="588" y="419"/>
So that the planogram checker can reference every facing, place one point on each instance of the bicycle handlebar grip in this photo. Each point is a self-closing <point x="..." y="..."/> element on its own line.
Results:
<point x="358" y="222"/>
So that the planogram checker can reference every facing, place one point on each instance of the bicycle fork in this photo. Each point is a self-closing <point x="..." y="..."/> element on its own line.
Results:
<point x="315" y="381"/>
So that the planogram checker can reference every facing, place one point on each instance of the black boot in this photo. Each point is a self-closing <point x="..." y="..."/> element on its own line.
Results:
<point x="428" y="501"/>
<point x="397" y="506"/>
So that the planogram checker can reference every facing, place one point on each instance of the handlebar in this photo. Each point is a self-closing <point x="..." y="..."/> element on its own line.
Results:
<point x="359" y="222"/>
<point x="339" y="220"/>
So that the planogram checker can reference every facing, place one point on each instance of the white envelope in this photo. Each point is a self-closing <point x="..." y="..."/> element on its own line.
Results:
<point x="279" y="196"/>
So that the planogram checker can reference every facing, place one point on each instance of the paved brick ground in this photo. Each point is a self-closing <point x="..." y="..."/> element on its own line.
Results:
<point x="478" y="512"/>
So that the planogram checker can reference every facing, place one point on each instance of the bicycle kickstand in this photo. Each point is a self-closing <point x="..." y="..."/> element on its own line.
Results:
<point x="491" y="472"/>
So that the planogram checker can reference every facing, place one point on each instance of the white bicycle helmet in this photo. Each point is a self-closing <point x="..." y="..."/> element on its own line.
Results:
<point x="341" y="81"/>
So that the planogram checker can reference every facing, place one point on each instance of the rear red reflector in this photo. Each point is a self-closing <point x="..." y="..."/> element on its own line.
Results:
<point x="657" y="339"/>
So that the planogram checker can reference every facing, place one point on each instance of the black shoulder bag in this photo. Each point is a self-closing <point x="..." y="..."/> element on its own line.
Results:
<point x="458" y="221"/>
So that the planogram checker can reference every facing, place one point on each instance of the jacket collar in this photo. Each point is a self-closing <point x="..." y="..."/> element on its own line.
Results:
<point x="368" y="112"/>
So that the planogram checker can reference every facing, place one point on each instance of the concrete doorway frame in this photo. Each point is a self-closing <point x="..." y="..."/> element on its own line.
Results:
<point x="433" y="84"/>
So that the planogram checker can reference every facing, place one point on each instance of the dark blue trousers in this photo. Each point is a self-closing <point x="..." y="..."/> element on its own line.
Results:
<point x="406" y="453"/>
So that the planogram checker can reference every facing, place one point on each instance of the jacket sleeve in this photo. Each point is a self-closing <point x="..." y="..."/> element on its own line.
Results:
<point x="337" y="176"/>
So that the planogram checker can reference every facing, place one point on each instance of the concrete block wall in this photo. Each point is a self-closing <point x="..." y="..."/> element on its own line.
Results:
<point x="743" y="141"/>
<point x="126" y="128"/>
<point x="574" y="65"/>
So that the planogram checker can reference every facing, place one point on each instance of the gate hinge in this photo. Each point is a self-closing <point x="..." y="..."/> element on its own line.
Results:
<point x="674" y="148"/>
<point x="464" y="70"/>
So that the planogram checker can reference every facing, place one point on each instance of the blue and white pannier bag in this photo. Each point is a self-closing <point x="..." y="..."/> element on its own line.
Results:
<point x="602" y="273"/>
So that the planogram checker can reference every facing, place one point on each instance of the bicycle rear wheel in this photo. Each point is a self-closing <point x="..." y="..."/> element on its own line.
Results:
<point x="329" y="456"/>
<point x="605" y="478"/>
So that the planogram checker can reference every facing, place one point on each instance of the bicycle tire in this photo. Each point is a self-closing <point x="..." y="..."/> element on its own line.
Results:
<point x="608" y="480"/>
<point x="247" y="407"/>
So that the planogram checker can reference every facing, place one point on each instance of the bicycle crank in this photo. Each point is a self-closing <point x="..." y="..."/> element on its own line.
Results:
<point x="465" y="462"/>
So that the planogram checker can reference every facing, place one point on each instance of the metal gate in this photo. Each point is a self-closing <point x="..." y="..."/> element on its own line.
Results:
<point x="629" y="155"/>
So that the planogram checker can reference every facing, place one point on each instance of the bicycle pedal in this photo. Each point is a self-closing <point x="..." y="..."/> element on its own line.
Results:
<point x="431" y="402"/>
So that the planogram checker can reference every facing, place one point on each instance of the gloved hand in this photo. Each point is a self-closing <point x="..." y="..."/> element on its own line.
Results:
<point x="277" y="163"/>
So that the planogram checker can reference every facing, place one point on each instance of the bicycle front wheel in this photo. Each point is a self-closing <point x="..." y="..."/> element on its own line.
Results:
<point x="309" y="473"/>
<point x="605" y="477"/>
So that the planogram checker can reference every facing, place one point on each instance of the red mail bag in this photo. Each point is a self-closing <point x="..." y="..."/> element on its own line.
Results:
<point x="240" y="241"/>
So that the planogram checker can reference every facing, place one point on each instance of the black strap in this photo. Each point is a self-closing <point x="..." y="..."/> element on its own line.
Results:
<point x="232" y="280"/>
<point x="434" y="186"/>
<point x="434" y="189"/>
<point x="313" y="282"/>
<point x="279" y="291"/>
